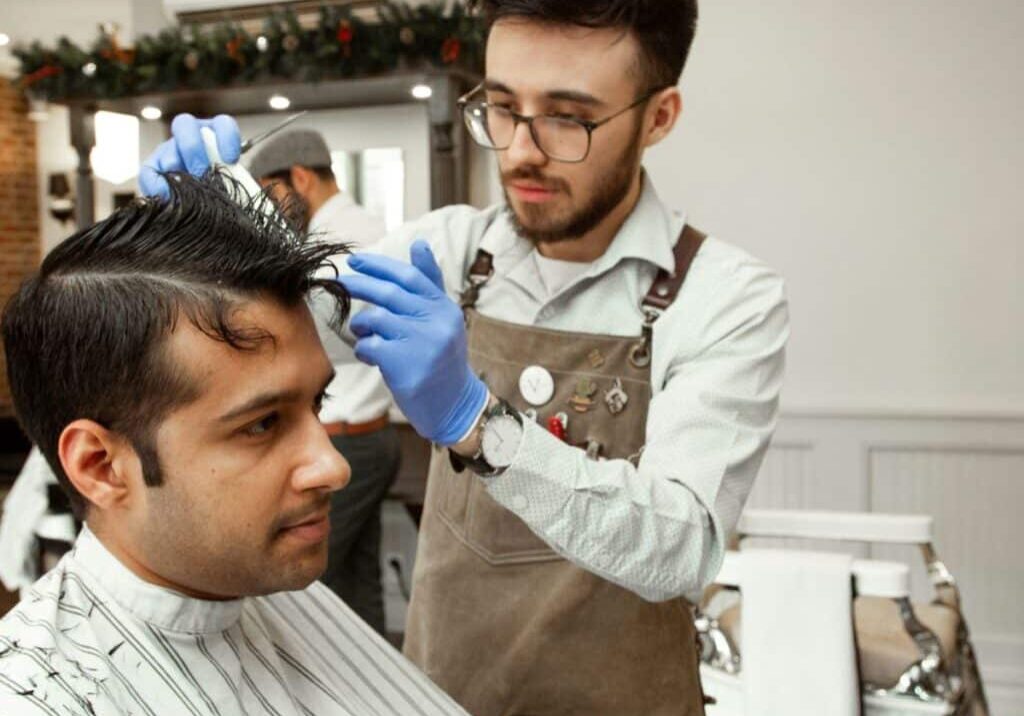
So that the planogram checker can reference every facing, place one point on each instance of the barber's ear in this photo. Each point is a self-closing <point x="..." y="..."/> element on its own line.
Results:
<point x="663" y="111"/>
<point x="101" y="465"/>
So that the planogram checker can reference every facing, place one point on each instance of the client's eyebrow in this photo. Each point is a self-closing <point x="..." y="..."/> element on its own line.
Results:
<point x="265" y="400"/>
<point x="564" y="95"/>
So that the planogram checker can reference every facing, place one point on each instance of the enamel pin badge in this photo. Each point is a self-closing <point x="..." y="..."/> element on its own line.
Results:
<point x="615" y="398"/>
<point x="536" y="385"/>
<point x="582" y="399"/>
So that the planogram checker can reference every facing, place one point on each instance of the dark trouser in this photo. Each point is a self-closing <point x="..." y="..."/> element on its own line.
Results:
<point x="353" y="562"/>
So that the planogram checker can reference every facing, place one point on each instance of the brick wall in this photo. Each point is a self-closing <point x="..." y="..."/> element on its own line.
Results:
<point x="19" y="206"/>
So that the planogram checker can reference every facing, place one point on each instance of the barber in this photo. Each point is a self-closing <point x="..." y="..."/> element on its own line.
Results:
<point x="600" y="378"/>
<point x="295" y="168"/>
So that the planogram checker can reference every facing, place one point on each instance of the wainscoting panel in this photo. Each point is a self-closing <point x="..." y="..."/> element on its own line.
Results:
<point x="965" y="471"/>
<point x="786" y="480"/>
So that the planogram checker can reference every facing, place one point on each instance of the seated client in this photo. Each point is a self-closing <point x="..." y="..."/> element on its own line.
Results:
<point x="166" y="364"/>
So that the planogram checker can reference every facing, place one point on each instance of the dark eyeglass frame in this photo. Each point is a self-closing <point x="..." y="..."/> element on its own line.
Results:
<point x="588" y="124"/>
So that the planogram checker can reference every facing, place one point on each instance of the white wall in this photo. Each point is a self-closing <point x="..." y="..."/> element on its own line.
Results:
<point x="871" y="151"/>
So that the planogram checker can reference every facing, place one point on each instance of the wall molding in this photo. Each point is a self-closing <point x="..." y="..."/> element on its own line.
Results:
<point x="883" y="412"/>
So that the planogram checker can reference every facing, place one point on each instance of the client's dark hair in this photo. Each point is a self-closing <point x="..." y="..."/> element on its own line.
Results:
<point x="664" y="28"/>
<point x="84" y="338"/>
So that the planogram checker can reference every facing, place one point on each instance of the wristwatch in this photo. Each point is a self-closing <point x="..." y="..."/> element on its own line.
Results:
<point x="501" y="431"/>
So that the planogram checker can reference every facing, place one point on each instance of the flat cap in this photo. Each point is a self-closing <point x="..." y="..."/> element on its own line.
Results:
<point x="305" y="147"/>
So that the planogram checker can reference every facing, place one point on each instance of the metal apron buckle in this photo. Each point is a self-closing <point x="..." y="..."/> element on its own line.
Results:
<point x="640" y="354"/>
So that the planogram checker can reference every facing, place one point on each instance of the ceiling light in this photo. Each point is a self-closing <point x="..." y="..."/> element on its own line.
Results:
<point x="151" y="112"/>
<point x="421" y="91"/>
<point x="5" y="39"/>
<point x="280" y="102"/>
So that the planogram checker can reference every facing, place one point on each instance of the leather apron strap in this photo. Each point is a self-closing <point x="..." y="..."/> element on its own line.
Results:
<point x="662" y="293"/>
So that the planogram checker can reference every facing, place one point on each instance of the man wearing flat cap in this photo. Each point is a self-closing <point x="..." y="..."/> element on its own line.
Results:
<point x="295" y="169"/>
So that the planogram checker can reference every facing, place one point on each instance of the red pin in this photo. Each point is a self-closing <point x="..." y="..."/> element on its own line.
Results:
<point x="556" y="427"/>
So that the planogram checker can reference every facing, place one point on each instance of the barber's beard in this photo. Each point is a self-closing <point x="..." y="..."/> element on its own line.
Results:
<point x="295" y="208"/>
<point x="536" y="223"/>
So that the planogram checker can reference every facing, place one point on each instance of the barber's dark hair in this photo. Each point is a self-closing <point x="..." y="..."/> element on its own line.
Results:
<point x="664" y="28"/>
<point x="85" y="337"/>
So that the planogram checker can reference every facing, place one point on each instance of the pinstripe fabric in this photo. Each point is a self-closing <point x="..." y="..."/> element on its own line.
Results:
<point x="91" y="638"/>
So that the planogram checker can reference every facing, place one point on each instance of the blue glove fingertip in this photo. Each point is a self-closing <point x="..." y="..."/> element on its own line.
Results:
<point x="422" y="257"/>
<point x="229" y="138"/>
<point x="186" y="132"/>
<point x="420" y="245"/>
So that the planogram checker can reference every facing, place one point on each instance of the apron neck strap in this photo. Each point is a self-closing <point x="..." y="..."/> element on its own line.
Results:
<point x="659" y="297"/>
<point x="663" y="292"/>
<point x="479" y="274"/>
<point x="666" y="285"/>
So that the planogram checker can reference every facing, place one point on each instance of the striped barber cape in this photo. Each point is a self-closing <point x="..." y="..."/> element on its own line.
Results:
<point x="91" y="638"/>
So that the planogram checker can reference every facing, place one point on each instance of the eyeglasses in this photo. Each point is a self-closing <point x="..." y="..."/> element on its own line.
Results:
<point x="559" y="137"/>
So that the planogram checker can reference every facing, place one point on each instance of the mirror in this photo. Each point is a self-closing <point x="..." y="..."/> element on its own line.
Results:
<point x="375" y="178"/>
<point x="380" y="155"/>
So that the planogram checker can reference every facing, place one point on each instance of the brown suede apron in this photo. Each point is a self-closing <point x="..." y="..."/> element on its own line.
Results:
<point x="497" y="619"/>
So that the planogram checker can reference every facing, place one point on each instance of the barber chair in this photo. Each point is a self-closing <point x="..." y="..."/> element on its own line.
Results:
<point x="910" y="658"/>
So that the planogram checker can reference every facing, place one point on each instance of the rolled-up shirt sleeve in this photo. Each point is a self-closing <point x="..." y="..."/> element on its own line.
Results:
<point x="660" y="528"/>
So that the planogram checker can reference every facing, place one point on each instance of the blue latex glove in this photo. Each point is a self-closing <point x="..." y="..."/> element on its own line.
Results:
<point x="184" y="151"/>
<point x="416" y="335"/>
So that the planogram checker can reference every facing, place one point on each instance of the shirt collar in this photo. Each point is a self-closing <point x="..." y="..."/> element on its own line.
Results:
<point x="649" y="234"/>
<point x="321" y="217"/>
<point x="159" y="606"/>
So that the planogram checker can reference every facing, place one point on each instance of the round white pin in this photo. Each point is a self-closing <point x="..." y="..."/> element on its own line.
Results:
<point x="536" y="385"/>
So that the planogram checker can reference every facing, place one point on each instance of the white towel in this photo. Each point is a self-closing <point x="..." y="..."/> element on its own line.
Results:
<point x="798" y="650"/>
<point x="25" y="505"/>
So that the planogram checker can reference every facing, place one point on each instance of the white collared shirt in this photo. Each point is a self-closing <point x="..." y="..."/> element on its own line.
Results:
<point x="659" y="529"/>
<point x="92" y="639"/>
<point x="357" y="393"/>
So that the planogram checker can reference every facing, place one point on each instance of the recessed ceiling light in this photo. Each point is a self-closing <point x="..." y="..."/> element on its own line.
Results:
<point x="422" y="91"/>
<point x="280" y="102"/>
<point x="151" y="112"/>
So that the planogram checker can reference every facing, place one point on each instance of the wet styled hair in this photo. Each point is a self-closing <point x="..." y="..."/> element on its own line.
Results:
<point x="664" y="28"/>
<point x="86" y="336"/>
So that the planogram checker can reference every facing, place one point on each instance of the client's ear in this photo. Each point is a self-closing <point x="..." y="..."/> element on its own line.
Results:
<point x="98" y="463"/>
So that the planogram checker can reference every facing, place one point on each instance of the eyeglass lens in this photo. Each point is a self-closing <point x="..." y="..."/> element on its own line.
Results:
<point x="559" y="138"/>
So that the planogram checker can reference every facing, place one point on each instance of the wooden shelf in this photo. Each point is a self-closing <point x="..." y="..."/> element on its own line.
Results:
<point x="388" y="89"/>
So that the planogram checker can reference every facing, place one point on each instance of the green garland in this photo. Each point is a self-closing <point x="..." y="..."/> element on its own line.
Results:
<point x="341" y="46"/>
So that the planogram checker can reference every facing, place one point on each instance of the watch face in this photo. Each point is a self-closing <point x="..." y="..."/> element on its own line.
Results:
<point x="501" y="440"/>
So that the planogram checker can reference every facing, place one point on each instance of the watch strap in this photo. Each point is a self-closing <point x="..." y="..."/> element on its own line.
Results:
<point x="478" y="463"/>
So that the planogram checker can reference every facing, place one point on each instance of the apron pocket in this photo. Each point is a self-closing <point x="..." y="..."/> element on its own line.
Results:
<point x="499" y="535"/>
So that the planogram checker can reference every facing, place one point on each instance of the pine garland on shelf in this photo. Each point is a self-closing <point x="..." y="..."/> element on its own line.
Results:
<point x="342" y="45"/>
